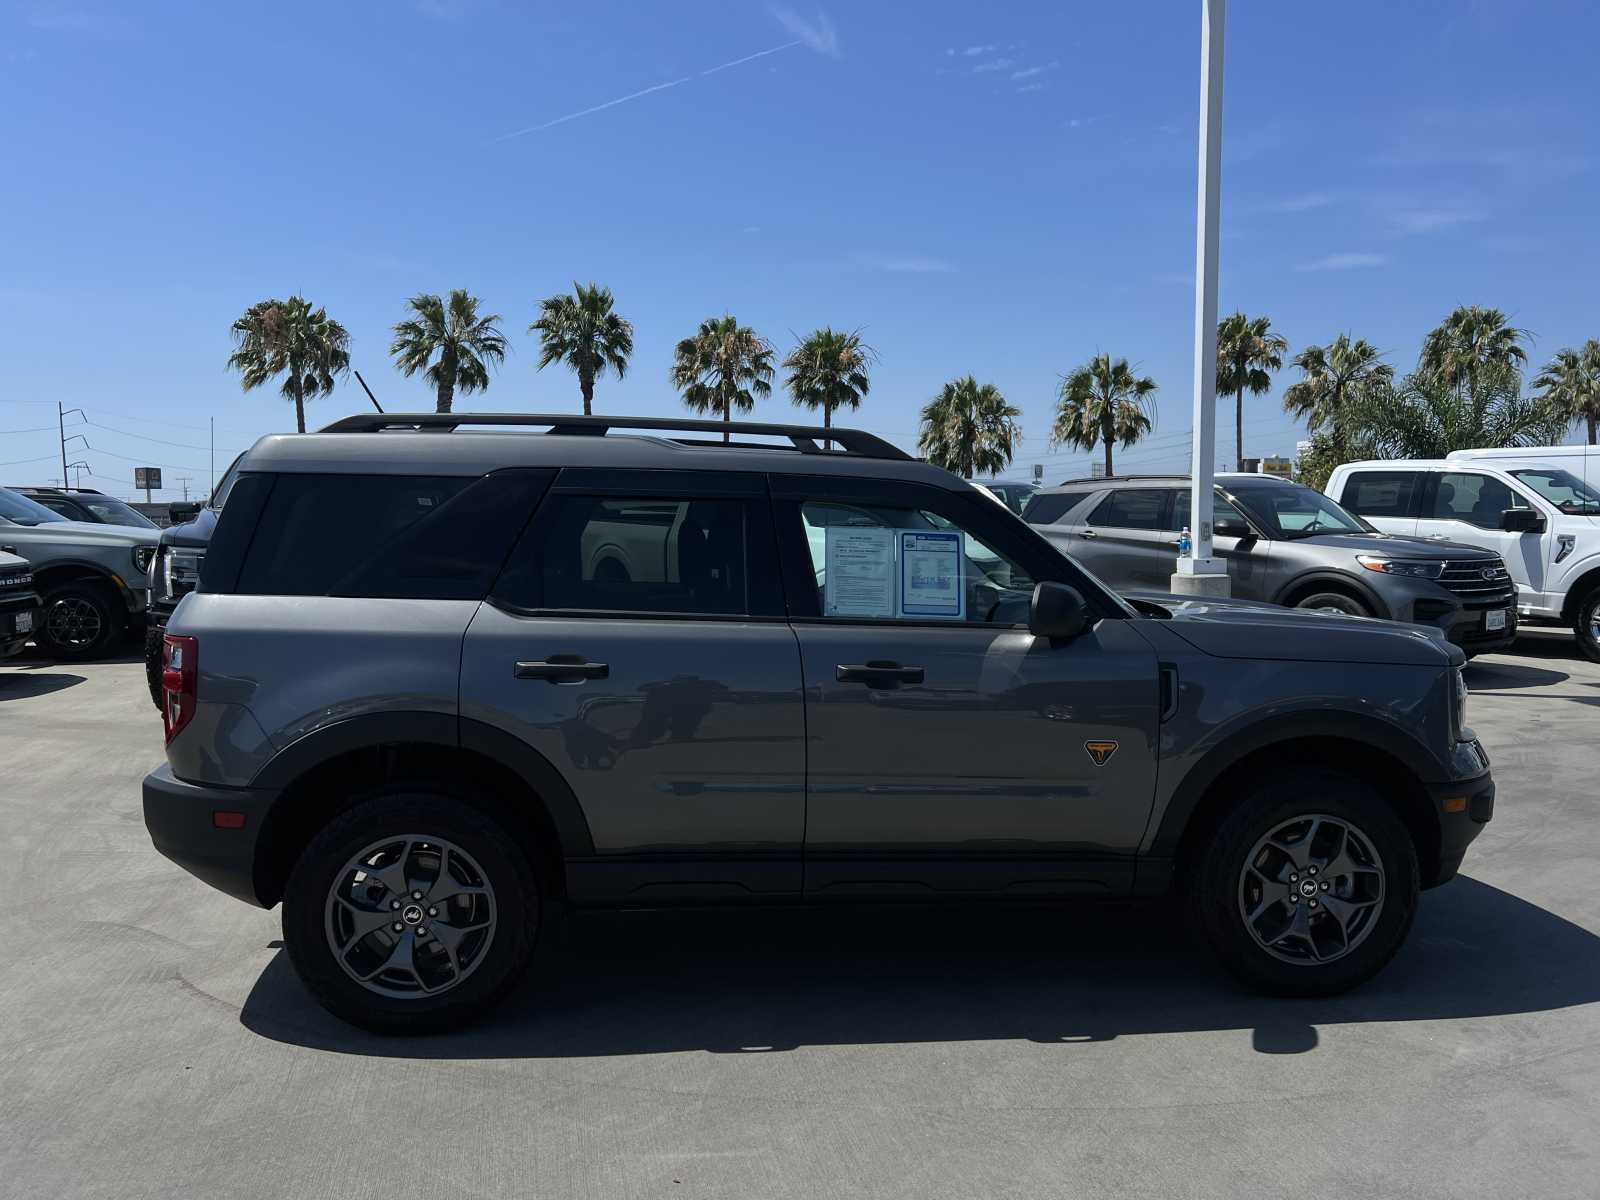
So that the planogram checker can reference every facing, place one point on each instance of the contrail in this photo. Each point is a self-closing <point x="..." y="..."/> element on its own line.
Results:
<point x="660" y="87"/>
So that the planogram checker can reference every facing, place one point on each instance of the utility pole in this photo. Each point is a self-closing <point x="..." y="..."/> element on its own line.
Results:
<point x="212" y="462"/>
<point x="61" y="428"/>
<point x="184" y="479"/>
<point x="1201" y="574"/>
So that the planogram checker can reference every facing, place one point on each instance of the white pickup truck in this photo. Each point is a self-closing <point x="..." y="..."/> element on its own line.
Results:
<point x="1537" y="507"/>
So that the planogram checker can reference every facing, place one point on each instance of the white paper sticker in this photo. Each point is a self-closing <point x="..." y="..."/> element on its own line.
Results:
<point x="930" y="575"/>
<point x="860" y="572"/>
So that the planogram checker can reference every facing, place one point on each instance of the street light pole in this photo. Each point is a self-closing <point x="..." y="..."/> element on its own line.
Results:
<point x="1202" y="574"/>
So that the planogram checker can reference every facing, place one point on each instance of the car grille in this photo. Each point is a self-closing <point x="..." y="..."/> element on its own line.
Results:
<point x="1480" y="582"/>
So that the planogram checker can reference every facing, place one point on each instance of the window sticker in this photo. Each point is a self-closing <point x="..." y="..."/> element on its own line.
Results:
<point x="930" y="575"/>
<point x="860" y="576"/>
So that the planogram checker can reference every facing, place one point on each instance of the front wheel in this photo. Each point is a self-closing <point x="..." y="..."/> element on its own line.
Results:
<point x="1307" y="893"/>
<point x="1586" y="625"/>
<point x="411" y="912"/>
<point x="79" y="622"/>
<point x="1334" y="602"/>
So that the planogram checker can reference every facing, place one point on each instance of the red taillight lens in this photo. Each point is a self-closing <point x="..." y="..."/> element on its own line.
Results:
<point x="179" y="662"/>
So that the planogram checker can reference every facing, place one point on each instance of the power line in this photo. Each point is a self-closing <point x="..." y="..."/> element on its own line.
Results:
<point x="144" y="438"/>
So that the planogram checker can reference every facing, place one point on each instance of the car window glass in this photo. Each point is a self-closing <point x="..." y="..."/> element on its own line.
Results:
<point x="1562" y="489"/>
<point x="1048" y="508"/>
<point x="22" y="511"/>
<point x="115" y="512"/>
<point x="1132" y="508"/>
<point x="1476" y="499"/>
<point x="1289" y="510"/>
<point x="872" y="562"/>
<point x="636" y="554"/>
<point x="1382" y="493"/>
<point x="63" y="509"/>
<point x="1221" y="510"/>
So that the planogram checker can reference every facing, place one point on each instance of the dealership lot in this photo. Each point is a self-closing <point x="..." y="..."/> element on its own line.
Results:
<point x="153" y="1040"/>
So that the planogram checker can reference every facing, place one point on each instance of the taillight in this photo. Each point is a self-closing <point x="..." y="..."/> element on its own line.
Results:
<point x="179" y="661"/>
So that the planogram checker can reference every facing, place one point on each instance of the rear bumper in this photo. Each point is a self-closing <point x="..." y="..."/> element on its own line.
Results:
<point x="179" y="818"/>
<point x="1463" y="808"/>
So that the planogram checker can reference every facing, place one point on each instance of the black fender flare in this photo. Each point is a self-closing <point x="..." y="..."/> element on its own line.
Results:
<point x="437" y="729"/>
<point x="1347" y="726"/>
<point x="1339" y="579"/>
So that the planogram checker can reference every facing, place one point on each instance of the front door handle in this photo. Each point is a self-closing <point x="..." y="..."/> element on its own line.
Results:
<point x="878" y="674"/>
<point x="1088" y="533"/>
<point x="562" y="668"/>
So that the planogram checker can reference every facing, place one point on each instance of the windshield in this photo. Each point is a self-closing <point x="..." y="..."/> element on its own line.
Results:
<point x="220" y="497"/>
<point x="1287" y="511"/>
<point x="19" y="510"/>
<point x="1563" y="489"/>
<point x="114" y="512"/>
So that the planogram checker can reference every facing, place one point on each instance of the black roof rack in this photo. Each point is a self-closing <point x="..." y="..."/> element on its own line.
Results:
<point x="1122" y="478"/>
<point x="803" y="437"/>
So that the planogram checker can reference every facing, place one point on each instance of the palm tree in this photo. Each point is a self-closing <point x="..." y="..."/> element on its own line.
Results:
<point x="724" y="368"/>
<point x="1428" y="416"/>
<point x="968" y="428"/>
<point x="1103" y="402"/>
<point x="582" y="331"/>
<point x="1569" y="385"/>
<point x="828" y="370"/>
<point x="1246" y="351"/>
<point x="466" y="344"/>
<point x="1470" y="339"/>
<point x="1337" y="376"/>
<point x="292" y="339"/>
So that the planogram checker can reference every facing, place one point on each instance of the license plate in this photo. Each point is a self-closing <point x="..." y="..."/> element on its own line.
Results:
<point x="25" y="622"/>
<point x="1494" y="620"/>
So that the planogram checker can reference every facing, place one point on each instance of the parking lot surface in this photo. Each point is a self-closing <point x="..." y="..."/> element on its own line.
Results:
<point x="154" y="1042"/>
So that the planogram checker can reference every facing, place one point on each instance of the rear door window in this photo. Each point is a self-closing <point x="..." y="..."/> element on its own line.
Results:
<point x="1132" y="508"/>
<point x="1382" y="493"/>
<point x="1048" y="508"/>
<point x="1221" y="510"/>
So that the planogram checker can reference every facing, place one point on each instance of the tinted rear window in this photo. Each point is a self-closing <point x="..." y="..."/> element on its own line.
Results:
<point x="1132" y="508"/>
<point x="1048" y="508"/>
<point x="1382" y="493"/>
<point x="438" y="537"/>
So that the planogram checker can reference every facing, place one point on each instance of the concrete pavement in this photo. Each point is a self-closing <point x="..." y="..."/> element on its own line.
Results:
<point x="153" y="1041"/>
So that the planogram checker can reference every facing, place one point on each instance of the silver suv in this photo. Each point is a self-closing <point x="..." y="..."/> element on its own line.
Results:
<point x="93" y="578"/>
<point x="439" y="682"/>
<point x="1283" y="543"/>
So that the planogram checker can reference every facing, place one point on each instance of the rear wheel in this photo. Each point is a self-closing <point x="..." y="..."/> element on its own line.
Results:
<point x="1310" y="890"/>
<point x="1586" y="625"/>
<point x="411" y="912"/>
<point x="79" y="621"/>
<point x="1327" y="600"/>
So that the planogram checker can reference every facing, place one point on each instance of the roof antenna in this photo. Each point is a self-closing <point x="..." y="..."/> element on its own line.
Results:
<point x="368" y="391"/>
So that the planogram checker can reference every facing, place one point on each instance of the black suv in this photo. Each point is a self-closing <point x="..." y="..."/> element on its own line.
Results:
<point x="434" y="682"/>
<point x="87" y="504"/>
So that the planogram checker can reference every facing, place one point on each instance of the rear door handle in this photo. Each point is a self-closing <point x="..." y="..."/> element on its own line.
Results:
<point x="878" y="674"/>
<point x="1088" y="533"/>
<point x="562" y="668"/>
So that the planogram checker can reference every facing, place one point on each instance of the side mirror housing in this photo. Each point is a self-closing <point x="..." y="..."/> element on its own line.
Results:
<point x="1057" y="611"/>
<point x="1521" y="520"/>
<point x="1228" y="527"/>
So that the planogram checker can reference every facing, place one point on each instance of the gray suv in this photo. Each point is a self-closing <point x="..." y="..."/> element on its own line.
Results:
<point x="1283" y="543"/>
<point x="446" y="675"/>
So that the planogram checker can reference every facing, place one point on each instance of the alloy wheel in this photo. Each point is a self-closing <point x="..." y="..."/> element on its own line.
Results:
<point x="73" y="622"/>
<point x="1312" y="889"/>
<point x="410" y="916"/>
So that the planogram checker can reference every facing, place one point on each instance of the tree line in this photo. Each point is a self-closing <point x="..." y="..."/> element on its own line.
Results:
<point x="1465" y="391"/>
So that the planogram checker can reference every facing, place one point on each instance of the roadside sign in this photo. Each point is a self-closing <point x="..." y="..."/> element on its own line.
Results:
<point x="1276" y="465"/>
<point x="1038" y="472"/>
<point x="148" y="478"/>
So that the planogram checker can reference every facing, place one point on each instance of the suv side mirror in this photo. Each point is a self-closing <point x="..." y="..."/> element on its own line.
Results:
<point x="1228" y="527"/>
<point x="1057" y="611"/>
<point x="1521" y="520"/>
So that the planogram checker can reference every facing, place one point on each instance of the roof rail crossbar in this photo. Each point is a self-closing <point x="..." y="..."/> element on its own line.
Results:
<point x="804" y="438"/>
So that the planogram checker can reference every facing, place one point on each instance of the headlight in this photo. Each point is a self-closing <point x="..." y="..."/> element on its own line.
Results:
<point x="1416" y="568"/>
<point x="178" y="573"/>
<point x="141" y="558"/>
<point x="1460" y="691"/>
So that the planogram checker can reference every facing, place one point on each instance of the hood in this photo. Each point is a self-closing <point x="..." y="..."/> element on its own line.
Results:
<point x="195" y="533"/>
<point x="1396" y="545"/>
<point x="81" y="532"/>
<point x="1246" y="629"/>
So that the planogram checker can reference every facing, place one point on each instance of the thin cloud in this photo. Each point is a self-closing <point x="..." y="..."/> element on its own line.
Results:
<point x="974" y="51"/>
<point x="817" y="34"/>
<point x="640" y="94"/>
<point x="1344" y="262"/>
<point x="1030" y="87"/>
<point x="1031" y="72"/>
<point x="994" y="64"/>
<point x="911" y="265"/>
<point x="1300" y="204"/>
<point x="1433" y="220"/>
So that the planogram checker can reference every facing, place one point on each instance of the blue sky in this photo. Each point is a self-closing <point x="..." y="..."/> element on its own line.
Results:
<point x="1004" y="190"/>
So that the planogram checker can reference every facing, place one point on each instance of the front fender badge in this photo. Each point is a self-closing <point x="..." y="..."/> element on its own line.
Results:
<point x="1101" y="752"/>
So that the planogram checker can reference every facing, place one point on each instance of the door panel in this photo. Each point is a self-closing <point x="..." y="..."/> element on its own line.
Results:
<point x="1249" y="560"/>
<point x="1465" y="506"/>
<point x="675" y="735"/>
<point x="985" y="754"/>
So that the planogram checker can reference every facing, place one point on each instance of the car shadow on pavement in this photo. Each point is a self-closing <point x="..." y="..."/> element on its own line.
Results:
<point x="775" y="980"/>
<point x="1493" y="675"/>
<point x="22" y="685"/>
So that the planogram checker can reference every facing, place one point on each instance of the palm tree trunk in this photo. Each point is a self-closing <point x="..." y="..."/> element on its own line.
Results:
<point x="1106" y="439"/>
<point x="447" y="382"/>
<point x="727" y="416"/>
<point x="586" y="383"/>
<point x="1238" y="426"/>
<point x="827" y="421"/>
<point x="1591" y="430"/>
<point x="446" y="394"/>
<point x="299" y="406"/>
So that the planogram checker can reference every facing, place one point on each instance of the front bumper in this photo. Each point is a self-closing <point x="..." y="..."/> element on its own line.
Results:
<point x="20" y="617"/>
<point x="1463" y="808"/>
<point x="179" y="818"/>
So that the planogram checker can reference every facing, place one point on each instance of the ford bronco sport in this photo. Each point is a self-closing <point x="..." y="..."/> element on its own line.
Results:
<point x="444" y="673"/>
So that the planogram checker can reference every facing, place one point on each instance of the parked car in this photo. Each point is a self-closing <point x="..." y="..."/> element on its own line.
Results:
<point x="87" y="505"/>
<point x="1284" y="544"/>
<point x="1541" y="518"/>
<point x="1580" y="461"/>
<point x="93" y="578"/>
<point x="176" y="572"/>
<point x="19" y="604"/>
<point x="406" y="702"/>
<point x="1014" y="496"/>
